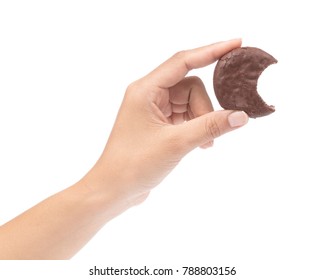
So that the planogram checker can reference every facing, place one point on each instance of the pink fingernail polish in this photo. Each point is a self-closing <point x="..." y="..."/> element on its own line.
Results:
<point x="237" y="119"/>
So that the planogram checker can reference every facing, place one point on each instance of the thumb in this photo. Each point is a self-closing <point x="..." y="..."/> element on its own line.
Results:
<point x="202" y="130"/>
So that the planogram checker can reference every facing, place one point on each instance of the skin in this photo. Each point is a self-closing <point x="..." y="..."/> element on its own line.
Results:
<point x="163" y="116"/>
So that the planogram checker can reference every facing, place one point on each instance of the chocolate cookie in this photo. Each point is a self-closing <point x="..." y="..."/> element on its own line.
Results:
<point x="235" y="81"/>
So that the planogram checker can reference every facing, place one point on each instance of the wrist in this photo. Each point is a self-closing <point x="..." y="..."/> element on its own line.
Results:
<point x="106" y="194"/>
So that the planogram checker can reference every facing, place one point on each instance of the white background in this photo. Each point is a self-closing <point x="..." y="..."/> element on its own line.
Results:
<point x="254" y="201"/>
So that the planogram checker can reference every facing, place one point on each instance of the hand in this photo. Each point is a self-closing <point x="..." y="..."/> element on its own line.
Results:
<point x="163" y="116"/>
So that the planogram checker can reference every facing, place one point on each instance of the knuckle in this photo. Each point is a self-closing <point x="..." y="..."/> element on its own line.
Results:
<point x="194" y="80"/>
<point x="134" y="92"/>
<point x="195" y="83"/>
<point x="179" y="54"/>
<point x="212" y="128"/>
<point x="133" y="87"/>
<point x="182" y="57"/>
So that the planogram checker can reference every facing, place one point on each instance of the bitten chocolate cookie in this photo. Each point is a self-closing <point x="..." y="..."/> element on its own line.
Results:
<point x="235" y="81"/>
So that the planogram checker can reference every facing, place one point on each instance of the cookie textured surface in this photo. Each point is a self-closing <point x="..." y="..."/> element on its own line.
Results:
<point x="235" y="81"/>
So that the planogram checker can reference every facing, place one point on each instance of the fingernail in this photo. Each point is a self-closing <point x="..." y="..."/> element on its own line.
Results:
<point x="235" y="39"/>
<point x="227" y="41"/>
<point x="231" y="40"/>
<point x="237" y="119"/>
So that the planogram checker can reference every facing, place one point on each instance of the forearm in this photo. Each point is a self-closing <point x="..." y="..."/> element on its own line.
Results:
<point x="59" y="226"/>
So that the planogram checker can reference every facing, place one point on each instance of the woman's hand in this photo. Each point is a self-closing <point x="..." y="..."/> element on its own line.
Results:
<point x="164" y="115"/>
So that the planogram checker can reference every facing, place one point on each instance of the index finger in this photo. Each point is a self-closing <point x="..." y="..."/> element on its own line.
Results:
<point x="175" y="69"/>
